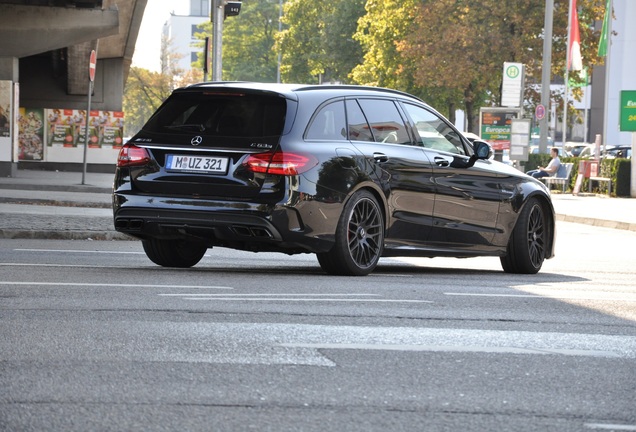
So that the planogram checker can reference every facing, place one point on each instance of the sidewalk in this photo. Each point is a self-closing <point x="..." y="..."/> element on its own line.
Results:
<point x="56" y="205"/>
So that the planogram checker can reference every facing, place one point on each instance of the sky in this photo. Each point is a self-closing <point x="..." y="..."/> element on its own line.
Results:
<point x="148" y="46"/>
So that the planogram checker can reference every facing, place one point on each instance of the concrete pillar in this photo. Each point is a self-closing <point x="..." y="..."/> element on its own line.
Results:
<point x="8" y="78"/>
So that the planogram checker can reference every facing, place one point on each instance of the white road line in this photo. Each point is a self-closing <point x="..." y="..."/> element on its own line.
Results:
<point x="609" y="426"/>
<point x="110" y="285"/>
<point x="273" y="295"/>
<point x="290" y="297"/>
<point x="451" y="348"/>
<point x="610" y="296"/>
<point x="306" y="300"/>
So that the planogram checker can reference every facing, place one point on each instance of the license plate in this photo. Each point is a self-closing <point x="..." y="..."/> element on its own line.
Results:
<point x="202" y="164"/>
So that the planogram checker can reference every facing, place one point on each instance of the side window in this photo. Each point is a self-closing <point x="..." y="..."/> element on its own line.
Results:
<point x="328" y="123"/>
<point x="385" y="121"/>
<point x="433" y="131"/>
<point x="358" y="127"/>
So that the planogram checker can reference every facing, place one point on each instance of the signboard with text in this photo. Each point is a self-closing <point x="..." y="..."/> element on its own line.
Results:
<point x="628" y="111"/>
<point x="512" y="85"/>
<point x="495" y="126"/>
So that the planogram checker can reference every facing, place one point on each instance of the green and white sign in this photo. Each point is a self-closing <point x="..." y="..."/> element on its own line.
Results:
<point x="628" y="111"/>
<point x="512" y="86"/>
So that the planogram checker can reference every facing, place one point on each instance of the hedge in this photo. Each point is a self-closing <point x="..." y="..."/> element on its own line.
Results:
<point x="619" y="170"/>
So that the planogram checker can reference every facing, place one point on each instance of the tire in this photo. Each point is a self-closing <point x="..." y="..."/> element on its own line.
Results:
<point x="174" y="253"/>
<point x="527" y="245"/>
<point x="359" y="239"/>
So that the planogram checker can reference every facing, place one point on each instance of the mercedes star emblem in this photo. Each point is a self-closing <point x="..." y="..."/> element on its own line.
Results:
<point x="196" y="140"/>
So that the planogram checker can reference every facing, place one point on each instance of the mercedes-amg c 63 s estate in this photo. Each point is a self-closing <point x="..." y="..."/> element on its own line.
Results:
<point x="349" y="173"/>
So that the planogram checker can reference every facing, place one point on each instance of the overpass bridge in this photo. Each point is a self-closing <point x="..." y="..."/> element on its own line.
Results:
<point x="45" y="47"/>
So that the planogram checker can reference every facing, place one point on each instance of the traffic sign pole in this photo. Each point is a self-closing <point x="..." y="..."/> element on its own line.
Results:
<point x="92" y="65"/>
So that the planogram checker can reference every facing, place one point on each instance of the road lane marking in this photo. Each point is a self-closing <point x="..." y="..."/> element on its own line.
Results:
<point x="451" y="348"/>
<point x="290" y="297"/>
<point x="308" y="300"/>
<point x="609" y="426"/>
<point x="580" y="295"/>
<point x="110" y="285"/>
<point x="275" y="295"/>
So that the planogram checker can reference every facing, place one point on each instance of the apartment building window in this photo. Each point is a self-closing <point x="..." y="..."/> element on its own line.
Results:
<point x="195" y="29"/>
<point x="199" y="7"/>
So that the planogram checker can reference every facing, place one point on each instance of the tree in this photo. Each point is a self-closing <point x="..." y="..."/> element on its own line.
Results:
<point x="145" y="90"/>
<point x="385" y="24"/>
<point x="452" y="52"/>
<point x="318" y="44"/>
<point x="248" y="42"/>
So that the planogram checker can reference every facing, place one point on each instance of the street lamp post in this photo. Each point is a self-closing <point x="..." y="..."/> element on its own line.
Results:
<point x="546" y="74"/>
<point x="217" y="20"/>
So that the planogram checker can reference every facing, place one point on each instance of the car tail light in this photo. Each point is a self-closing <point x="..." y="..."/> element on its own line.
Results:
<point x="131" y="155"/>
<point x="280" y="163"/>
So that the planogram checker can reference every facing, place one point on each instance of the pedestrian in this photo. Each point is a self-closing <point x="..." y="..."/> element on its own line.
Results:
<point x="551" y="169"/>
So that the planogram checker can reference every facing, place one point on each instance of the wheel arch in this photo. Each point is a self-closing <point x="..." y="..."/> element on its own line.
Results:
<point x="379" y="195"/>
<point x="548" y="211"/>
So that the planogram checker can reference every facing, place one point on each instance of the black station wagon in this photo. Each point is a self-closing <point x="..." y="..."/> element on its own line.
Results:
<point x="349" y="173"/>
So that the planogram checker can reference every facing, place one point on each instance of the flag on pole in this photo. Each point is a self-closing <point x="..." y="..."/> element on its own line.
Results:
<point x="576" y="62"/>
<point x="602" y="44"/>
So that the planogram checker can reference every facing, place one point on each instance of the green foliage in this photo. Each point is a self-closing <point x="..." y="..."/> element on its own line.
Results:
<point x="143" y="93"/>
<point x="448" y="52"/>
<point x="621" y="172"/>
<point x="452" y="52"/>
<point x="317" y="44"/>
<point x="248" y="42"/>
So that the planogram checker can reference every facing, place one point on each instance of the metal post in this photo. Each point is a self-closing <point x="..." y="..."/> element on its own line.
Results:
<point x="217" y="18"/>
<point x="566" y="93"/>
<point x="546" y="74"/>
<point x="280" y="29"/>
<point x="607" y="79"/>
<point x="88" y="116"/>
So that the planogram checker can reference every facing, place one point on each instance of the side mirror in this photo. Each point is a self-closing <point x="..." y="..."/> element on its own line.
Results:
<point x="482" y="149"/>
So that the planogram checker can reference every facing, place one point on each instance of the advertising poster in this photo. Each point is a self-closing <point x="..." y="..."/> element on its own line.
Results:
<point x="93" y="131"/>
<point x="110" y="126"/>
<point x="6" y="89"/>
<point x="31" y="134"/>
<point x="67" y="128"/>
<point x="63" y="127"/>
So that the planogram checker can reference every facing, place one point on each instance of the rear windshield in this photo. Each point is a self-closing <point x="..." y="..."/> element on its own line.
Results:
<point x="220" y="114"/>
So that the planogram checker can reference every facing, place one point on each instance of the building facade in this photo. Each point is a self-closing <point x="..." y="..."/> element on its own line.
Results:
<point x="179" y="33"/>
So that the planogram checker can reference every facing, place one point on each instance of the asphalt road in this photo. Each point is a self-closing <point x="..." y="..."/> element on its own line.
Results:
<point x="96" y="337"/>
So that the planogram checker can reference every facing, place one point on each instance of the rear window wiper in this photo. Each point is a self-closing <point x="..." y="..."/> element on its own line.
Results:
<point x="198" y="127"/>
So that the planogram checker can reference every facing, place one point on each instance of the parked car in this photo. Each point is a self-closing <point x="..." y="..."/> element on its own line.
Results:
<point x="349" y="173"/>
<point x="582" y="150"/>
<point x="615" y="152"/>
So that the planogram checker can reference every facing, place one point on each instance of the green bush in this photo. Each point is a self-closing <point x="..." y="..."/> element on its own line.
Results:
<point x="622" y="174"/>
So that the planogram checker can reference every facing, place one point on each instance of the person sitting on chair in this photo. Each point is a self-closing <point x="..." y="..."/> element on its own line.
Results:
<point x="552" y="167"/>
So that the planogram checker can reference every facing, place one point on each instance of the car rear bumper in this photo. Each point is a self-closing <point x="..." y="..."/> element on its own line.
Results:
<point x="240" y="225"/>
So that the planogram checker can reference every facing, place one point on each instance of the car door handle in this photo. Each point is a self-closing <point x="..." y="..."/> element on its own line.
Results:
<point x="441" y="161"/>
<point x="380" y="157"/>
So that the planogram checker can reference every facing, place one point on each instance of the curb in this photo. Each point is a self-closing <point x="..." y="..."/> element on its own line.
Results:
<point x="54" y="203"/>
<point x="62" y="235"/>
<point x="603" y="223"/>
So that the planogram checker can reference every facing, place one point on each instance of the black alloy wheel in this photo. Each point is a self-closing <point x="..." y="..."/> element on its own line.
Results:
<point x="359" y="238"/>
<point x="527" y="244"/>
